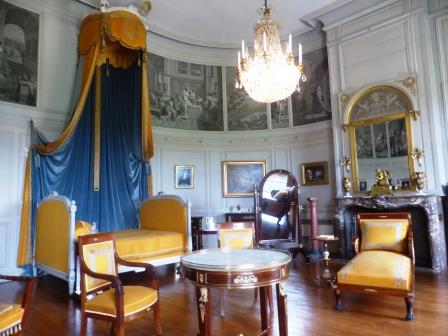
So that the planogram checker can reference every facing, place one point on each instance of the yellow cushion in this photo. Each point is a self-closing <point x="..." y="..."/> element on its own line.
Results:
<point x="10" y="317"/>
<point x="82" y="228"/>
<point x="136" y="298"/>
<point x="141" y="244"/>
<point x="384" y="234"/>
<point x="377" y="269"/>
<point x="236" y="238"/>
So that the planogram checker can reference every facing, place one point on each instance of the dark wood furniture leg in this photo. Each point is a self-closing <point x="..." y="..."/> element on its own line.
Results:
<point x="264" y="308"/>
<point x="282" y="313"/>
<point x="203" y="302"/>
<point x="409" y="299"/>
<point x="337" y="297"/>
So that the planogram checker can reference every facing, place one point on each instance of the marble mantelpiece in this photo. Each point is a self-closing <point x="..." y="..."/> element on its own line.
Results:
<point x="429" y="205"/>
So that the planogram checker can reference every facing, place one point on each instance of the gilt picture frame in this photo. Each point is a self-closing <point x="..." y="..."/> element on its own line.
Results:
<point x="239" y="178"/>
<point x="314" y="173"/>
<point x="183" y="176"/>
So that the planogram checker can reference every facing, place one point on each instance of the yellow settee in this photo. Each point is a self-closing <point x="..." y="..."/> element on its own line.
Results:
<point x="162" y="238"/>
<point x="384" y="260"/>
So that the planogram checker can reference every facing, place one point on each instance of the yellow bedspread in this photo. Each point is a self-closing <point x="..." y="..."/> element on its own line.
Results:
<point x="146" y="245"/>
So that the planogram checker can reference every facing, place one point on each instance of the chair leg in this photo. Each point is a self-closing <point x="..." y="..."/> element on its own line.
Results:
<point x="255" y="295"/>
<point x="83" y="331"/>
<point x="112" y="329"/>
<point x="221" y="303"/>
<point x="409" y="299"/>
<point x="119" y="328"/>
<point x="337" y="296"/>
<point x="156" y="312"/>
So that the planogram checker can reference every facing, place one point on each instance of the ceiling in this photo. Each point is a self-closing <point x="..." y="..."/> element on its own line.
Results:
<point x="223" y="23"/>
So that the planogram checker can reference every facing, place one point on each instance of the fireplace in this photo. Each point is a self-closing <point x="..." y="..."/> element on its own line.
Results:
<point x="425" y="210"/>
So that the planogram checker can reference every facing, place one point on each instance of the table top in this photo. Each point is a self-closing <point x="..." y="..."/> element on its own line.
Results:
<point x="235" y="259"/>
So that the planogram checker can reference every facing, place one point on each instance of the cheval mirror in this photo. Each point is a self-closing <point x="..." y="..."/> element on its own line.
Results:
<point x="277" y="205"/>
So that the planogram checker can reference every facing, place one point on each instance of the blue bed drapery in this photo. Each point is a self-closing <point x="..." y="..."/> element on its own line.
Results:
<point x="123" y="173"/>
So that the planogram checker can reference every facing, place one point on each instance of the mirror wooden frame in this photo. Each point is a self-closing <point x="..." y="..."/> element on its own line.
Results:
<point x="351" y="126"/>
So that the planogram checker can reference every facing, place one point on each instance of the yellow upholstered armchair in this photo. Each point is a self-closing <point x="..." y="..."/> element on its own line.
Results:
<point x="384" y="259"/>
<point x="102" y="294"/>
<point x="13" y="316"/>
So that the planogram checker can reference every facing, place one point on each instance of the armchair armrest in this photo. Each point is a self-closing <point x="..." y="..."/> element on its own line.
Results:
<point x="150" y="269"/>
<point x="16" y="278"/>
<point x="411" y="252"/>
<point x="355" y="245"/>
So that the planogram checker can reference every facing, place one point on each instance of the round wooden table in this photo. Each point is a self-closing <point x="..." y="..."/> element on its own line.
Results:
<point x="238" y="268"/>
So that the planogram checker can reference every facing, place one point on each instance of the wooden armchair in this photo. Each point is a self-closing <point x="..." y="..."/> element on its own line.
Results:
<point x="102" y="294"/>
<point x="384" y="260"/>
<point x="14" y="316"/>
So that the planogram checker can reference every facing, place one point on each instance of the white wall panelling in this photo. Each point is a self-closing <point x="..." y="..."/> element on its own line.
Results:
<point x="382" y="45"/>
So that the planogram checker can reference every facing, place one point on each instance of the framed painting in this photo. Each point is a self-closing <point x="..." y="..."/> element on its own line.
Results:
<point x="404" y="183"/>
<point x="314" y="173"/>
<point x="183" y="177"/>
<point x="19" y="48"/>
<point x="240" y="177"/>
<point x="363" y="185"/>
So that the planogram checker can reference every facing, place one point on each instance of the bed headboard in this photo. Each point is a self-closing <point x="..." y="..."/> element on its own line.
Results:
<point x="54" y="236"/>
<point x="166" y="212"/>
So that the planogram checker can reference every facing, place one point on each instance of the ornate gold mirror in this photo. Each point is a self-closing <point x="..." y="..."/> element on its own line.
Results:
<point x="379" y="125"/>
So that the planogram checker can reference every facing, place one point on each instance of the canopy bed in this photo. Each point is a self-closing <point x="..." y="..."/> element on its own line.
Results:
<point x="101" y="160"/>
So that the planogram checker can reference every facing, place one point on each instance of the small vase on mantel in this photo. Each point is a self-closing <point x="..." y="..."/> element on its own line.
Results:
<point x="419" y="181"/>
<point x="347" y="185"/>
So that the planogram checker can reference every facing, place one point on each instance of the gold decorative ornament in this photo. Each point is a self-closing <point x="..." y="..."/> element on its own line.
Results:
<point x="203" y="299"/>
<point x="409" y="83"/>
<point x="418" y="154"/>
<point x="382" y="185"/>
<point x="419" y="181"/>
<point x="346" y="163"/>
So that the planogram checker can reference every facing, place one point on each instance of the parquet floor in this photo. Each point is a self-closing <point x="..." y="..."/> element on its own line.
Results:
<point x="310" y="309"/>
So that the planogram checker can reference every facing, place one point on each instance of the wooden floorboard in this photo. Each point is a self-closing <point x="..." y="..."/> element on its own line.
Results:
<point x="310" y="309"/>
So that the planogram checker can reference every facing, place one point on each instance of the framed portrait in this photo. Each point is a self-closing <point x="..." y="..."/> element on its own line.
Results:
<point x="363" y="185"/>
<point x="183" y="177"/>
<point x="314" y="173"/>
<point x="404" y="183"/>
<point x="240" y="177"/>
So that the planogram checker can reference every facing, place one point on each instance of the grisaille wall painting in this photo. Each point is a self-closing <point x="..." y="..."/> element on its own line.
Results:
<point x="243" y="113"/>
<point x="185" y="95"/>
<point x="279" y="114"/>
<point x="312" y="103"/>
<point x="19" y="47"/>
<point x="379" y="103"/>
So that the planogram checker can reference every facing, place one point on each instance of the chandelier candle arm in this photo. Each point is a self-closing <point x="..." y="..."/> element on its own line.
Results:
<point x="270" y="74"/>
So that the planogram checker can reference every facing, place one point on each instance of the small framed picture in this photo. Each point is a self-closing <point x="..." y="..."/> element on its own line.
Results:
<point x="183" y="177"/>
<point x="314" y="173"/>
<point x="404" y="183"/>
<point x="362" y="185"/>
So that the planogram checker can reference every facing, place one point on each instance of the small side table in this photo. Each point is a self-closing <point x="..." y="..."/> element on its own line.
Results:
<point x="326" y="239"/>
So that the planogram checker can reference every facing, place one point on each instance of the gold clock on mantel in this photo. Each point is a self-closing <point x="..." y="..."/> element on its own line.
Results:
<point x="378" y="121"/>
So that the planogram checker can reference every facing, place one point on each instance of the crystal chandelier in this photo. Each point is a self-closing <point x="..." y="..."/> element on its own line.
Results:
<point x="270" y="75"/>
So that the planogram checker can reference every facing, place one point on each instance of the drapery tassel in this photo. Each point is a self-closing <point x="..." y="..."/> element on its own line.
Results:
<point x="103" y="36"/>
<point x="107" y="67"/>
<point x="139" y="62"/>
